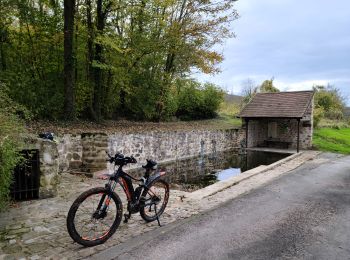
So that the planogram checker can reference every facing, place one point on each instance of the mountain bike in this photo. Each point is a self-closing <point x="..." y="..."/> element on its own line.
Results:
<point x="96" y="214"/>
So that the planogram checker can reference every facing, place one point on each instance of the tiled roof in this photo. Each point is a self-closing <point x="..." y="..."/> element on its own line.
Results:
<point x="280" y="104"/>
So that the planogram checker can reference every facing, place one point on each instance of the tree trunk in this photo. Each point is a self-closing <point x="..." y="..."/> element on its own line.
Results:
<point x="69" y="12"/>
<point x="3" y="60"/>
<point x="101" y="22"/>
<point x="90" y="54"/>
<point x="97" y="70"/>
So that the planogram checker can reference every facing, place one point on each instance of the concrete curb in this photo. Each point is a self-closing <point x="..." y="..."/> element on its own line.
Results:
<point x="222" y="185"/>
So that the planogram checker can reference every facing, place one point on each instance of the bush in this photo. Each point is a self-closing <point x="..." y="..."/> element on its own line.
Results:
<point x="318" y="115"/>
<point x="197" y="102"/>
<point x="331" y="101"/>
<point x="335" y="114"/>
<point x="10" y="140"/>
<point x="213" y="97"/>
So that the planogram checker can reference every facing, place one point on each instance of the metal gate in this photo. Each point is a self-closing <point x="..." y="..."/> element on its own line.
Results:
<point x="26" y="179"/>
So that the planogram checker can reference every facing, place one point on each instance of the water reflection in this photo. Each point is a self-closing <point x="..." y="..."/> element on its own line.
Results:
<point x="199" y="172"/>
<point x="196" y="173"/>
<point x="225" y="174"/>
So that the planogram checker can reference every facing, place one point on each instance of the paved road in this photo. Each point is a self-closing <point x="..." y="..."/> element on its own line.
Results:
<point x="302" y="215"/>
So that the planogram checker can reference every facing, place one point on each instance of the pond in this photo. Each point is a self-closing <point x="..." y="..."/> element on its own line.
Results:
<point x="199" y="172"/>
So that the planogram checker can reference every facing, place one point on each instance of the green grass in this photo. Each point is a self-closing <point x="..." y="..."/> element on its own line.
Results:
<point x="228" y="110"/>
<point x="232" y="120"/>
<point x="332" y="140"/>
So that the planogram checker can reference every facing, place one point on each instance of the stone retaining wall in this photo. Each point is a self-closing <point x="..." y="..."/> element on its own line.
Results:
<point x="70" y="152"/>
<point x="87" y="151"/>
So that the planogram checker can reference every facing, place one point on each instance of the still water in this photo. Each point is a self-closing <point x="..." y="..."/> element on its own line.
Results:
<point x="199" y="172"/>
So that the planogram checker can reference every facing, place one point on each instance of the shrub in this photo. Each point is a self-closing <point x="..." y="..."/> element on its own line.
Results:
<point x="197" y="102"/>
<point x="335" y="114"/>
<point x="331" y="101"/>
<point x="318" y="115"/>
<point x="11" y="129"/>
<point x="213" y="97"/>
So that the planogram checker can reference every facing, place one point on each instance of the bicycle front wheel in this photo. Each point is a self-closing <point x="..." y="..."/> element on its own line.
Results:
<point x="94" y="216"/>
<point x="154" y="200"/>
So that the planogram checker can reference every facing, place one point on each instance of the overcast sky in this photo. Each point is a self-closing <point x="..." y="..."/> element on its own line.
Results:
<point x="298" y="43"/>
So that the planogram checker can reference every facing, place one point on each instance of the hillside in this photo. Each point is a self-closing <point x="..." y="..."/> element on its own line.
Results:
<point x="233" y="99"/>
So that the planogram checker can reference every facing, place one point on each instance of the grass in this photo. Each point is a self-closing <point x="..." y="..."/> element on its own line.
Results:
<point x="332" y="140"/>
<point x="228" y="110"/>
<point x="229" y="120"/>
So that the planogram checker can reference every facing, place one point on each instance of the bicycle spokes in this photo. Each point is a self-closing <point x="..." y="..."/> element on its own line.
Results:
<point x="95" y="217"/>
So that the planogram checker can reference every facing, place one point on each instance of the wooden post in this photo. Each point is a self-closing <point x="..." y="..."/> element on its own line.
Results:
<point x="298" y="135"/>
<point x="246" y="132"/>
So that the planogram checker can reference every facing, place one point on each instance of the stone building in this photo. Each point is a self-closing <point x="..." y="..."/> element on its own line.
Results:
<point x="279" y="120"/>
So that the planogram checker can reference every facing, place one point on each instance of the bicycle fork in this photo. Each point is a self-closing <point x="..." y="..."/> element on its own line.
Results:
<point x="103" y="205"/>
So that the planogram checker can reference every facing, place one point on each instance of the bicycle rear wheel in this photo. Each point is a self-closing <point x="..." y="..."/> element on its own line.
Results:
<point x="94" y="216"/>
<point x="154" y="200"/>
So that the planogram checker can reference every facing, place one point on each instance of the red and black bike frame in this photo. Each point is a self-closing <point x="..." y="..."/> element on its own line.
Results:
<point x="125" y="181"/>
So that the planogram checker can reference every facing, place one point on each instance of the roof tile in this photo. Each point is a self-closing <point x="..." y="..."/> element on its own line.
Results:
<point x="280" y="104"/>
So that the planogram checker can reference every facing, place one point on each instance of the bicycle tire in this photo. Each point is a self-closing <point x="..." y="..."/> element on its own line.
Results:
<point x="143" y="209"/>
<point x="71" y="225"/>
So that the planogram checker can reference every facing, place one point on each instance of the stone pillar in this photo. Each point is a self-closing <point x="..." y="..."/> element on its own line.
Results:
<point x="49" y="177"/>
<point x="94" y="146"/>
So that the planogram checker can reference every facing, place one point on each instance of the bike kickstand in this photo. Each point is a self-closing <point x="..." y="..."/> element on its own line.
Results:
<point x="155" y="209"/>
<point x="127" y="217"/>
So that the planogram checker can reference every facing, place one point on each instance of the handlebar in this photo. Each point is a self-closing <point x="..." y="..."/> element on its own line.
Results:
<point x="119" y="159"/>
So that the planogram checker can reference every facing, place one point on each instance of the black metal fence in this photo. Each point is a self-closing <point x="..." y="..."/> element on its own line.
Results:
<point x="26" y="181"/>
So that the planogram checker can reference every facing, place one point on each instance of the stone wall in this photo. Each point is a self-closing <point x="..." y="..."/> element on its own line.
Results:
<point x="87" y="151"/>
<point x="94" y="151"/>
<point x="257" y="132"/>
<point x="49" y="165"/>
<point x="70" y="152"/>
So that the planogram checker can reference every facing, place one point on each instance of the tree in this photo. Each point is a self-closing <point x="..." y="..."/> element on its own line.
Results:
<point x="249" y="89"/>
<point x="69" y="13"/>
<point x="118" y="58"/>
<point x="268" y="87"/>
<point x="329" y="100"/>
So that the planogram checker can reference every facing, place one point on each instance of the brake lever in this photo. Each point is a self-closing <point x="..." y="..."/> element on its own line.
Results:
<point x="110" y="158"/>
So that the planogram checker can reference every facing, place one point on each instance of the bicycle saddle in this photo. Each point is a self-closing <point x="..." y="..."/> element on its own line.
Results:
<point x="151" y="164"/>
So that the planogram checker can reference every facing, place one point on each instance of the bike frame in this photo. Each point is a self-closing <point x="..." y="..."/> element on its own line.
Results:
<point x="125" y="181"/>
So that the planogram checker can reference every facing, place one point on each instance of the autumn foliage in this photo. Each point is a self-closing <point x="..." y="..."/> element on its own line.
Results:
<point x="123" y="59"/>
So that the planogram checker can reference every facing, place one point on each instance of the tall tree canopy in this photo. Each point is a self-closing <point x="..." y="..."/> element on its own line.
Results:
<point x="125" y="57"/>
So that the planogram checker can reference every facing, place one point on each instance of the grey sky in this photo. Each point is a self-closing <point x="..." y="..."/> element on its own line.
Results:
<point x="298" y="43"/>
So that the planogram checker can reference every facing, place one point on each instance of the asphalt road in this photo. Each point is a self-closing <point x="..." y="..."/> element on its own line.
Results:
<point x="302" y="215"/>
